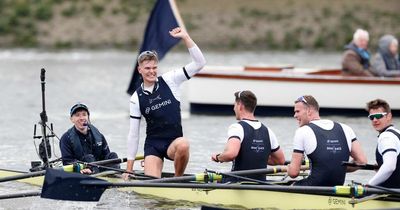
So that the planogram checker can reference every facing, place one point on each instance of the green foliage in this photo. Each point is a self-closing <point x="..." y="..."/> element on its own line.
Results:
<point x="97" y="10"/>
<point x="326" y="12"/>
<point x="71" y="11"/>
<point x="234" y="42"/>
<point x="236" y="23"/>
<point x="270" y="41"/>
<point x="25" y="36"/>
<point x="44" y="12"/>
<point x="22" y="9"/>
<point x="63" y="45"/>
<point x="5" y="27"/>
<point x="291" y="41"/>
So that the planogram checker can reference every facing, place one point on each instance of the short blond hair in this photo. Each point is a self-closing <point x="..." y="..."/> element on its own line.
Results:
<point x="147" y="56"/>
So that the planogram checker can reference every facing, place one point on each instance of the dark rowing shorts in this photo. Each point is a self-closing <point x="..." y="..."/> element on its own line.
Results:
<point x="158" y="147"/>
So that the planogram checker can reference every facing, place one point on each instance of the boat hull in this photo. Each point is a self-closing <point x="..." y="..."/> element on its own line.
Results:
<point x="261" y="198"/>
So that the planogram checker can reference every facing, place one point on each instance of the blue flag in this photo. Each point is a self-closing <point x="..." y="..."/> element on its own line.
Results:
<point x="156" y="37"/>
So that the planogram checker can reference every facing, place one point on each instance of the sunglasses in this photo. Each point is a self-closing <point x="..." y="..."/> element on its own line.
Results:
<point x="377" y="115"/>
<point x="301" y="99"/>
<point x="147" y="53"/>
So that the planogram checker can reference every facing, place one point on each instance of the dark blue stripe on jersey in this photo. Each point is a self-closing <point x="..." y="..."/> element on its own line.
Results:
<point x="234" y="137"/>
<point x="353" y="139"/>
<point x="186" y="74"/>
<point x="298" y="151"/>
<point x="276" y="149"/>
<point x="388" y="150"/>
<point x="134" y="117"/>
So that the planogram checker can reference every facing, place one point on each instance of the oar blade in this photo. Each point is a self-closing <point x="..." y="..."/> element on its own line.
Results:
<point x="60" y="185"/>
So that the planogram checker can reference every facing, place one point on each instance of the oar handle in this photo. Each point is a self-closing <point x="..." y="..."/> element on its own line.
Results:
<point x="361" y="166"/>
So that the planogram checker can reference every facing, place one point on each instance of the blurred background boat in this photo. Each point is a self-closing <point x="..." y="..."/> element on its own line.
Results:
<point x="277" y="87"/>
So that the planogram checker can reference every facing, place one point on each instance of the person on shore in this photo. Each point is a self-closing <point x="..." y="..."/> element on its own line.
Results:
<point x="356" y="58"/>
<point x="158" y="101"/>
<point x="388" y="145"/>
<point x="326" y="143"/>
<point x="250" y="145"/>
<point x="84" y="142"/>
<point x="386" y="61"/>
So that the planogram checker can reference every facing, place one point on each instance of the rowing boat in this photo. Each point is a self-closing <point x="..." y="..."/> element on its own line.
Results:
<point x="355" y="196"/>
<point x="260" y="197"/>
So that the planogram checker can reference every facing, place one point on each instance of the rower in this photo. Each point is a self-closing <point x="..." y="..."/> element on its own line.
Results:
<point x="158" y="101"/>
<point x="326" y="144"/>
<point x="388" y="146"/>
<point x="84" y="142"/>
<point x="251" y="145"/>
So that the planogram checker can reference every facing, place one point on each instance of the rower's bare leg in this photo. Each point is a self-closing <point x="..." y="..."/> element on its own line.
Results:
<point x="153" y="166"/>
<point x="179" y="152"/>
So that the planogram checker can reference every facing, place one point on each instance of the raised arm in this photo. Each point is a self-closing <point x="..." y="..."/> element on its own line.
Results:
<point x="198" y="60"/>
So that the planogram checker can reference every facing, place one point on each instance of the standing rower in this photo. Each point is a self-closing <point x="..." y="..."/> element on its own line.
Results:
<point x="158" y="101"/>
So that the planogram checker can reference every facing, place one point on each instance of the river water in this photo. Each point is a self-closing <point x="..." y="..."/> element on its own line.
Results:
<point x="100" y="79"/>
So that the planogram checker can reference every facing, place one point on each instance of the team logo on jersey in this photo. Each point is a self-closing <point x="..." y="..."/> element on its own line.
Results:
<point x="257" y="145"/>
<point x="157" y="106"/>
<point x="333" y="146"/>
<point x="151" y="100"/>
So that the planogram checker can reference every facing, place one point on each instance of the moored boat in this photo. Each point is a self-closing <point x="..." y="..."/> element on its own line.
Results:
<point x="211" y="90"/>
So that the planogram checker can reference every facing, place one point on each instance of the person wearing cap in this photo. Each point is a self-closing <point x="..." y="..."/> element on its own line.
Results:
<point x="251" y="144"/>
<point x="356" y="58"/>
<point x="388" y="147"/>
<point x="84" y="142"/>
<point x="386" y="63"/>
<point x="326" y="143"/>
<point x="158" y="101"/>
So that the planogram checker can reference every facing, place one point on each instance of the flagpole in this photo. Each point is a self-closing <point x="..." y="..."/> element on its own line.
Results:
<point x="177" y="15"/>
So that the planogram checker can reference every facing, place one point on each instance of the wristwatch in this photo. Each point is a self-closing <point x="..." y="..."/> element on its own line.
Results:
<point x="216" y="158"/>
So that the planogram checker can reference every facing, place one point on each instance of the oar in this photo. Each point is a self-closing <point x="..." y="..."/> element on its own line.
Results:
<point x="117" y="169"/>
<point x="20" y="195"/>
<point x="68" y="168"/>
<point x="211" y="177"/>
<point x="78" y="187"/>
<point x="37" y="193"/>
<point x="388" y="190"/>
<point x="239" y="177"/>
<point x="303" y="162"/>
<point x="361" y="166"/>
